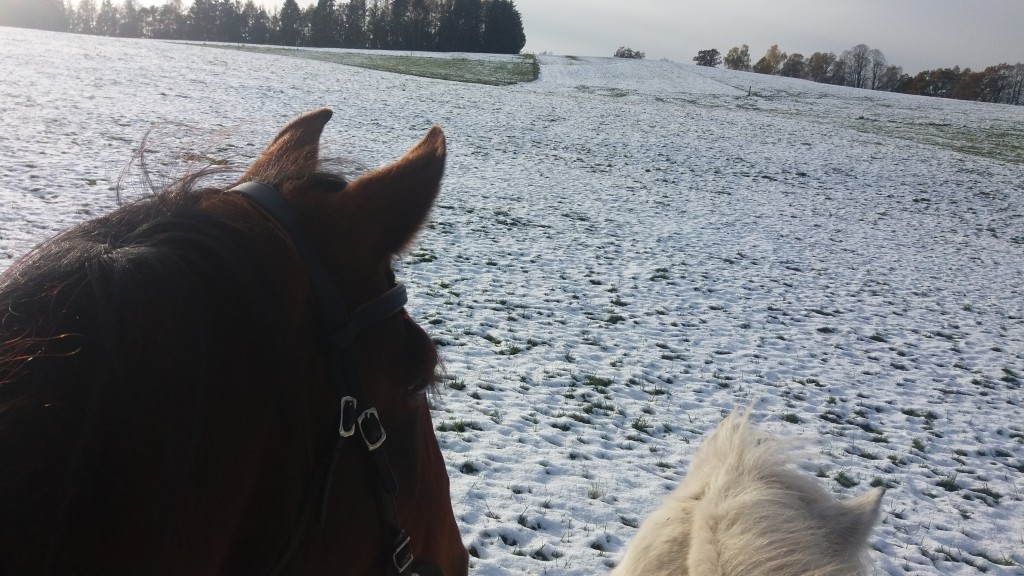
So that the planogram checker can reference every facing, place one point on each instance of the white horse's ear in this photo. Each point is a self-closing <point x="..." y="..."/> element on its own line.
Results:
<point x="859" y="516"/>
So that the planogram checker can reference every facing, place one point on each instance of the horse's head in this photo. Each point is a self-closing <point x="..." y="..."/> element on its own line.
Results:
<point x="376" y="356"/>
<point x="201" y="381"/>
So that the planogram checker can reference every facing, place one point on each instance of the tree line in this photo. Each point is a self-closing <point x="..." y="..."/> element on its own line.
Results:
<point x="867" y="68"/>
<point x="443" y="25"/>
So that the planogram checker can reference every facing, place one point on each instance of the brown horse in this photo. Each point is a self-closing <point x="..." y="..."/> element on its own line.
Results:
<point x="212" y="381"/>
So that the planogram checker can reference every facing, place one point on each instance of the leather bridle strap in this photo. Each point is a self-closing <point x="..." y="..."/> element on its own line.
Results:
<point x="384" y="306"/>
<point x="325" y="294"/>
<point x="338" y="331"/>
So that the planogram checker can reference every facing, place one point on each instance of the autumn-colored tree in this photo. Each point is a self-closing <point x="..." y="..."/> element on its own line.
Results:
<point x="771" y="62"/>
<point x="817" y="66"/>
<point x="738" y="58"/>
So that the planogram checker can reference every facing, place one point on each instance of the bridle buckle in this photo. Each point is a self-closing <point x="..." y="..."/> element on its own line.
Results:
<point x="347" y="425"/>
<point x="402" y="558"/>
<point x="371" y="429"/>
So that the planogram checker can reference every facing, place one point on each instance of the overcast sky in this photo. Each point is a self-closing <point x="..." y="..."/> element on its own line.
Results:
<point x="914" y="34"/>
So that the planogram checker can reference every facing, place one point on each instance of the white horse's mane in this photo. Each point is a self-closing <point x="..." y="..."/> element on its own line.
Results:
<point x="745" y="510"/>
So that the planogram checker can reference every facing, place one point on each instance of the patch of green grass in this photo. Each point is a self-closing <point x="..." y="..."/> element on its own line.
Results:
<point x="948" y="483"/>
<point x="523" y="68"/>
<point x="509" y="350"/>
<point x="995" y="144"/>
<point x="598" y="383"/>
<point x="844" y="480"/>
<point x="986" y="491"/>
<point x="458" y="426"/>
<point x="581" y="418"/>
<point x="660" y="274"/>
<point x="641" y="424"/>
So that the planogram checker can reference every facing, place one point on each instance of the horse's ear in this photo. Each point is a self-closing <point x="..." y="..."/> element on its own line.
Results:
<point x="393" y="202"/>
<point x="860" y="515"/>
<point x="294" y="152"/>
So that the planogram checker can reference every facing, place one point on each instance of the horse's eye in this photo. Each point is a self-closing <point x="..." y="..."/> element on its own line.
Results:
<point x="419" y="388"/>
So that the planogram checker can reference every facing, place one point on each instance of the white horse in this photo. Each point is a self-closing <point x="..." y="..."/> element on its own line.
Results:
<point x="743" y="510"/>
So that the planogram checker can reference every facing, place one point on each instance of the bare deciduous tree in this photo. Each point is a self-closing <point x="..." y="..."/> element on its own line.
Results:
<point x="858" y="62"/>
<point x="878" y="64"/>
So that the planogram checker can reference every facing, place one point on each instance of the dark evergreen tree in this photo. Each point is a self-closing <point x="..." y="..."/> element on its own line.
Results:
<point x="107" y="19"/>
<point x="417" y="33"/>
<point x="202" y="20"/>
<point x="230" y="22"/>
<point x="130" y="22"/>
<point x="289" y="31"/>
<point x="354" y="29"/>
<point x="377" y="27"/>
<point x="83" y="20"/>
<point x="171" y="21"/>
<point x="256" y="27"/>
<point x="503" y="28"/>
<point x="305" y="23"/>
<point x="460" y="27"/>
<point x="324" y="29"/>
<point x="396" y="17"/>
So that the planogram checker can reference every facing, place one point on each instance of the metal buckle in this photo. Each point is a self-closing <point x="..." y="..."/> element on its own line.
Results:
<point x="371" y="429"/>
<point x="347" y="426"/>
<point x="402" y="557"/>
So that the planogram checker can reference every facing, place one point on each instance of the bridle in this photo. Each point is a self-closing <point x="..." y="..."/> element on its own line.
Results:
<point x="338" y="330"/>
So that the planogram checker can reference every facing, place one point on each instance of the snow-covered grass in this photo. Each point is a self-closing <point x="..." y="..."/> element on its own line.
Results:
<point x="623" y="252"/>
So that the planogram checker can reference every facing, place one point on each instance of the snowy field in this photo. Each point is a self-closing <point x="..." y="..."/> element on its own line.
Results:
<point x="623" y="252"/>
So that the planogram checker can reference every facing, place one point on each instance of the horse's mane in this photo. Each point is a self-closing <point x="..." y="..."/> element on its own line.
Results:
<point x="131" y="322"/>
<point x="744" y="509"/>
<point x="756" y="514"/>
